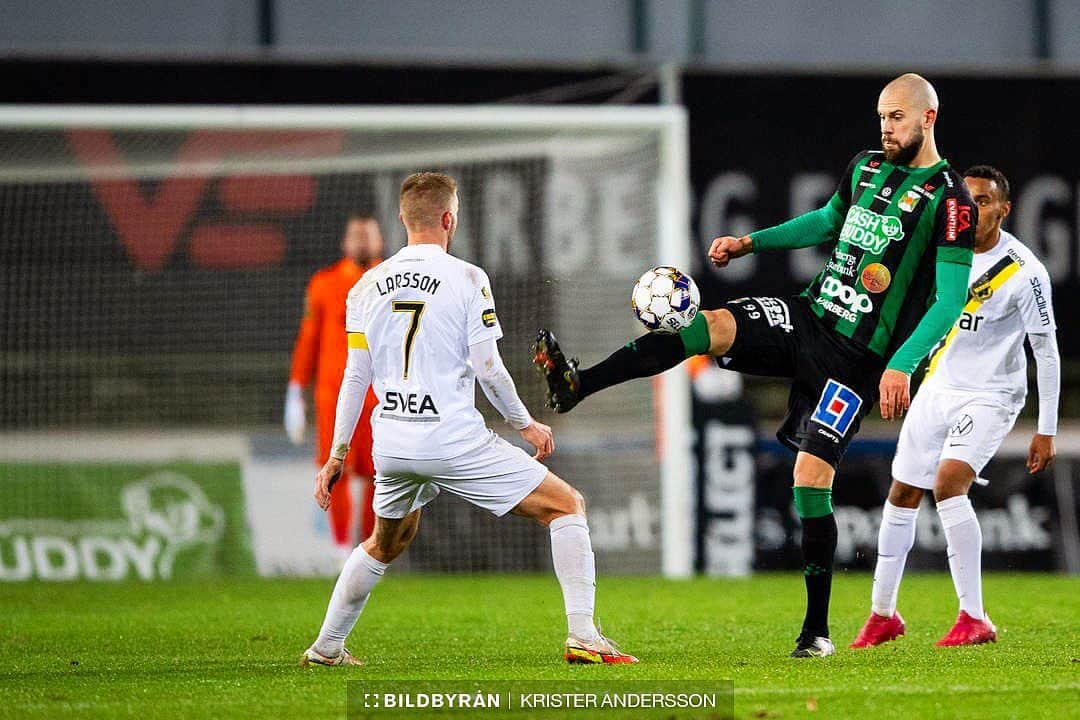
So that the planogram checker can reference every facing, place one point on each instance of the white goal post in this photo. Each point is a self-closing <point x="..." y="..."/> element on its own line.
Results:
<point x="556" y="153"/>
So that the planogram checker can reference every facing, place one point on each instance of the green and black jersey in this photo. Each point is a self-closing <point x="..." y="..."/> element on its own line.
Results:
<point x="889" y="225"/>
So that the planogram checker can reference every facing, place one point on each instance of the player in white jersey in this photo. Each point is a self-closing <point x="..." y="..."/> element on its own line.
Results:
<point x="422" y="329"/>
<point x="975" y="387"/>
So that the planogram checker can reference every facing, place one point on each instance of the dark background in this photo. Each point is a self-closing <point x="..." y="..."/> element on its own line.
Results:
<point x="768" y="126"/>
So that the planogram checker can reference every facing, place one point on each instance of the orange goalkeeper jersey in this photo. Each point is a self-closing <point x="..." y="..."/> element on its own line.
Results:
<point x="320" y="354"/>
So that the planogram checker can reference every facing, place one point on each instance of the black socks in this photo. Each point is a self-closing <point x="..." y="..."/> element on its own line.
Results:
<point x="650" y="354"/>
<point x="818" y="547"/>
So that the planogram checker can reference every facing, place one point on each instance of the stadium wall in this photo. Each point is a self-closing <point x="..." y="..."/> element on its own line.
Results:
<point x="157" y="506"/>
<point x="994" y="33"/>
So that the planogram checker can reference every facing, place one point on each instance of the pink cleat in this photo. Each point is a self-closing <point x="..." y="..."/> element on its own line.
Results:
<point x="969" y="631"/>
<point x="878" y="630"/>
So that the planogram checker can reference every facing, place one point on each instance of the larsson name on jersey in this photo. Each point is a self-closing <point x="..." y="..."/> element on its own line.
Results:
<point x="400" y="281"/>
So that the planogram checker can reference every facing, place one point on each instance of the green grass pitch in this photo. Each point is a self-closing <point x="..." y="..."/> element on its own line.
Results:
<point x="229" y="648"/>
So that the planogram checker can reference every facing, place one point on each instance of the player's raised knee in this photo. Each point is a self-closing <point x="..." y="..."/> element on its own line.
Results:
<point x="721" y="330"/>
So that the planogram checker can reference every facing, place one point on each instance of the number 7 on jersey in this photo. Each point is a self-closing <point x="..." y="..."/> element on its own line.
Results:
<point x="417" y="310"/>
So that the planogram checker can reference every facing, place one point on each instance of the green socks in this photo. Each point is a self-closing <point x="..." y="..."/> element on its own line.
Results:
<point x="695" y="336"/>
<point x="813" y="502"/>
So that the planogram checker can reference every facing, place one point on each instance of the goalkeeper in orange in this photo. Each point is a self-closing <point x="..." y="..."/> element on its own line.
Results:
<point x="319" y="355"/>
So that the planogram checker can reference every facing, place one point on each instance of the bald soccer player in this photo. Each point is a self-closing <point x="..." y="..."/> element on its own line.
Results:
<point x="319" y="358"/>
<point x="901" y="228"/>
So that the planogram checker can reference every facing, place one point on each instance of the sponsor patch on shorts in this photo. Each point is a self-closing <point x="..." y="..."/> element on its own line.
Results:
<point x="776" y="312"/>
<point x="838" y="407"/>
<point x="963" y="426"/>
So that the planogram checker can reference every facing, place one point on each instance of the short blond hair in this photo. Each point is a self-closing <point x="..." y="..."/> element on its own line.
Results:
<point x="424" y="197"/>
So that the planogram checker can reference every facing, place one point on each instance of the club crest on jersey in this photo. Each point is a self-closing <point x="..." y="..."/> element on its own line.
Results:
<point x="909" y="201"/>
<point x="838" y="407"/>
<point x="488" y="318"/>
<point x="981" y="292"/>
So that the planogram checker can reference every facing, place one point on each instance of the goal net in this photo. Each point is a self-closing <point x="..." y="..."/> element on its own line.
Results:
<point x="153" y="264"/>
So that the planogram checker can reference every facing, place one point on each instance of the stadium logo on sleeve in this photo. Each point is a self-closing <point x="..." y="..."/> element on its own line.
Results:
<point x="488" y="318"/>
<point x="952" y="220"/>
<point x="837" y="408"/>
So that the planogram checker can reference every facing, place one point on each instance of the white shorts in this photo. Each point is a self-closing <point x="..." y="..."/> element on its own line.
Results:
<point x="495" y="476"/>
<point x="945" y="425"/>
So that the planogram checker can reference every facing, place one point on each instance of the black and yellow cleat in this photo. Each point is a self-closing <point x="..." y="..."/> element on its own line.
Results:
<point x="808" y="646"/>
<point x="560" y="374"/>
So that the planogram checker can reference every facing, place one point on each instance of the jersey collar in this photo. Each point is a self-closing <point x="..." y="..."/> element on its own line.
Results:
<point x="929" y="169"/>
<point x="424" y="247"/>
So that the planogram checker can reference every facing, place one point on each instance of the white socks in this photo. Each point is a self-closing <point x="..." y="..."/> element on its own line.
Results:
<point x="351" y="593"/>
<point x="964" y="538"/>
<point x="575" y="567"/>
<point x="571" y="553"/>
<point x="895" y="539"/>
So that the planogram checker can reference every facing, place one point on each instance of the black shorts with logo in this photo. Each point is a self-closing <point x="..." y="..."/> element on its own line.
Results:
<point x="835" y="382"/>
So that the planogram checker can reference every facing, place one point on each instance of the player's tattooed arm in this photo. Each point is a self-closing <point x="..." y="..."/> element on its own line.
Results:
<point x="497" y="383"/>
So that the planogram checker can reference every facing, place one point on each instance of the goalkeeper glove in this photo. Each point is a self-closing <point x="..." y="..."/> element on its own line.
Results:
<point x="295" y="413"/>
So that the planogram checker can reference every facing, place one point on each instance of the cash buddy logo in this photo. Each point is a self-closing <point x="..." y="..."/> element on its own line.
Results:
<point x="870" y="230"/>
<point x="166" y="514"/>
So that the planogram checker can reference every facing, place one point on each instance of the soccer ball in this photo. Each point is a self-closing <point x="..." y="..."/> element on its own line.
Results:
<point x="665" y="300"/>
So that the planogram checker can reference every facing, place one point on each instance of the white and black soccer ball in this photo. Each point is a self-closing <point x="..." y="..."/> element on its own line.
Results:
<point x="665" y="299"/>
